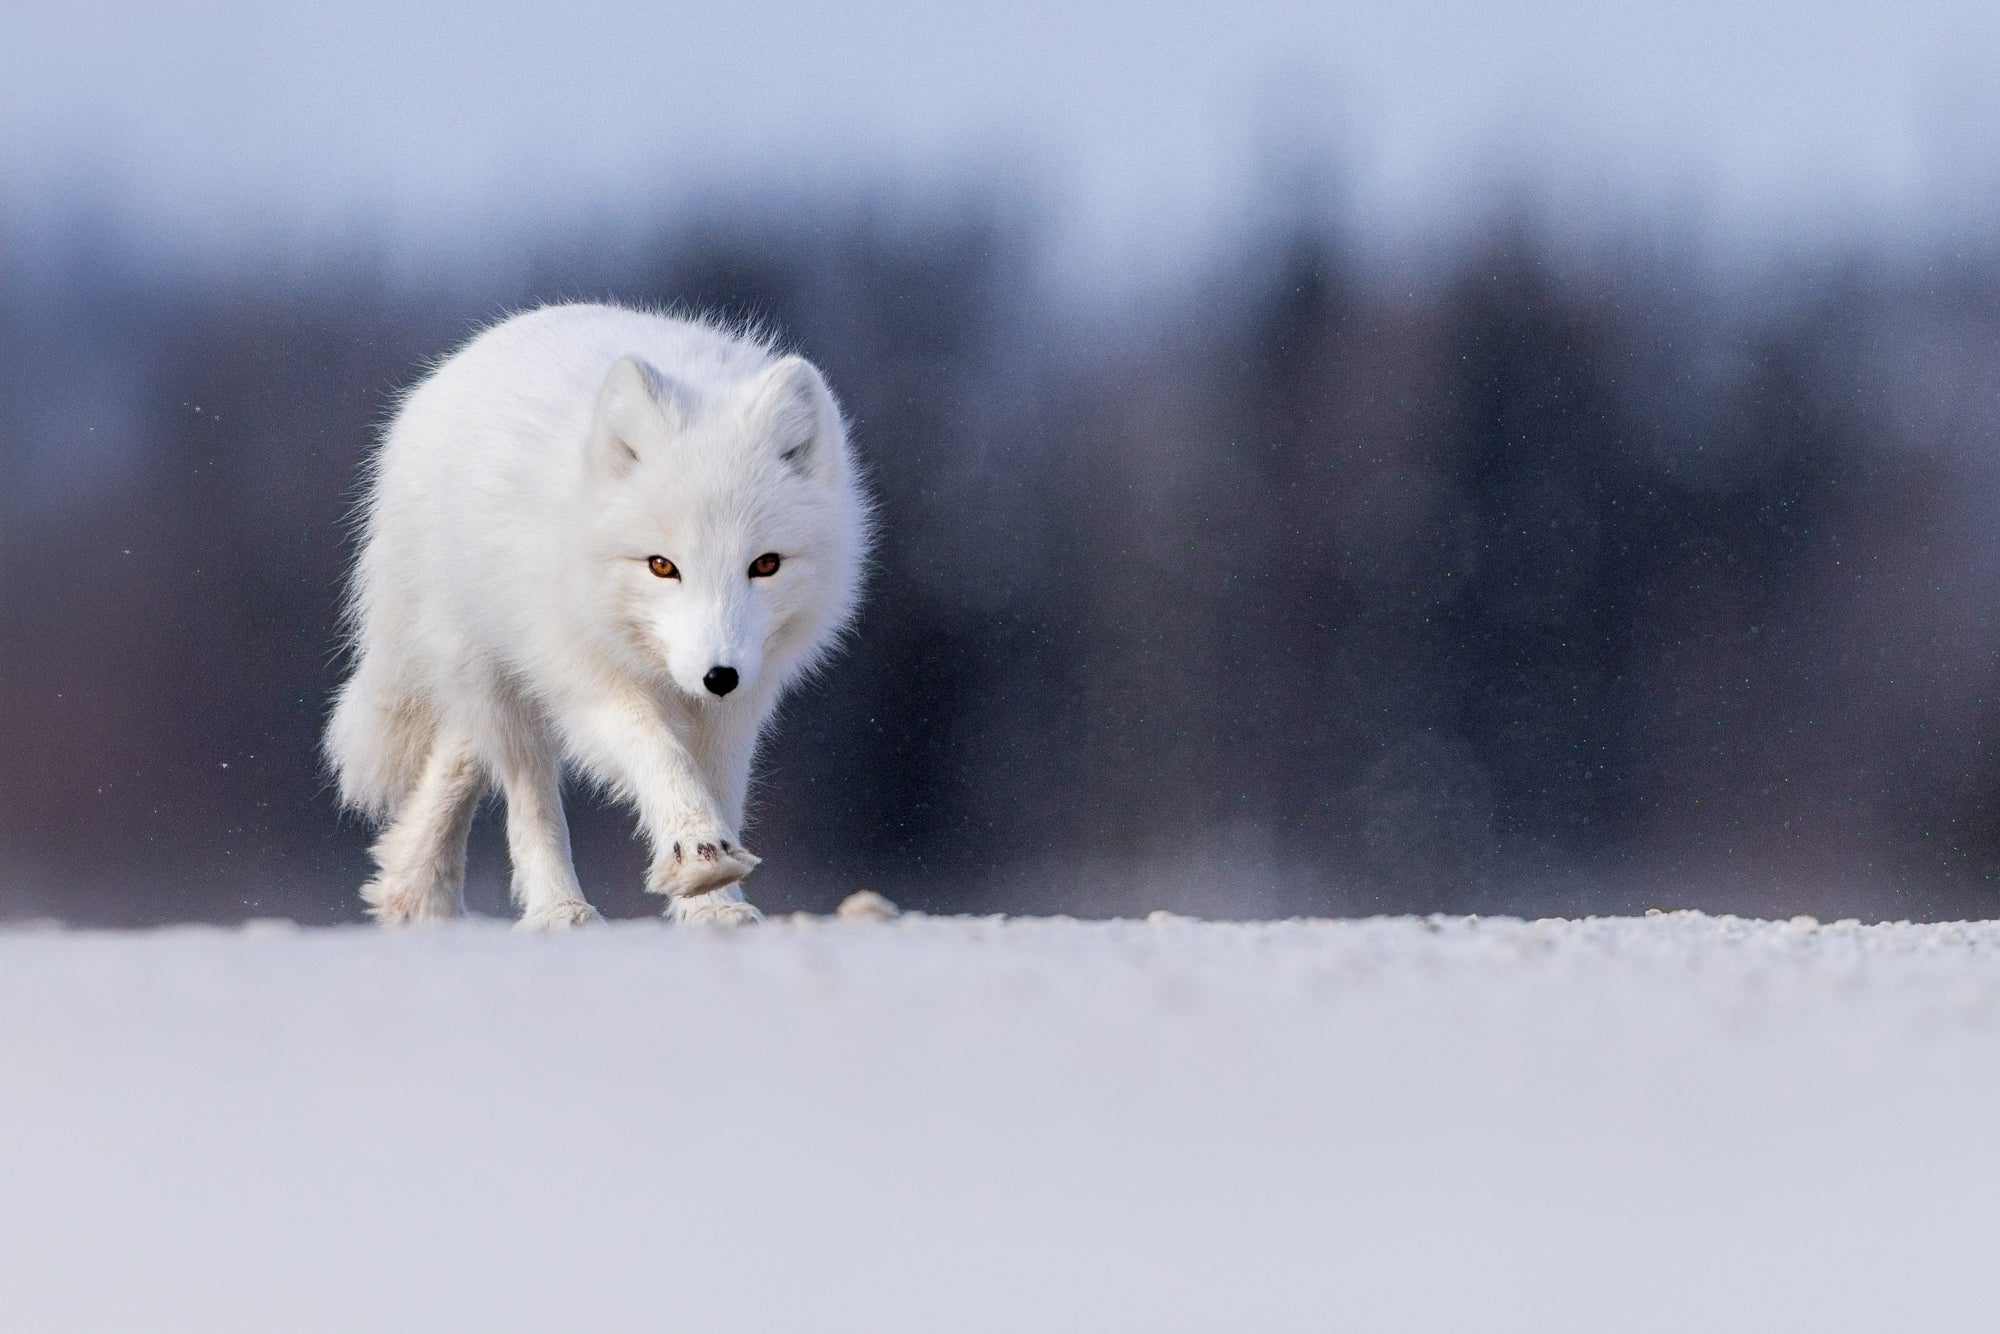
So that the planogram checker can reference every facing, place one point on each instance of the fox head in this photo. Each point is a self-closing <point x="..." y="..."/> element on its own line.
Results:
<point x="730" y="521"/>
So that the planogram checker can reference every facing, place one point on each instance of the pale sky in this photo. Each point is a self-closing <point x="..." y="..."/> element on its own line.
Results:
<point x="1135" y="128"/>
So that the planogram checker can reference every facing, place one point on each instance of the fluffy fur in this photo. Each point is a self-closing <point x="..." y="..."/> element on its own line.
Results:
<point x="506" y="622"/>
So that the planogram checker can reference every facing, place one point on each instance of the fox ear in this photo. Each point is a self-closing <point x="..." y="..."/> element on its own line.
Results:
<point x="635" y="406"/>
<point x="794" y="411"/>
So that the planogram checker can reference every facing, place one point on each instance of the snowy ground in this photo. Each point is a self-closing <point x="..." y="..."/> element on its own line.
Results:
<point x="1667" y="1123"/>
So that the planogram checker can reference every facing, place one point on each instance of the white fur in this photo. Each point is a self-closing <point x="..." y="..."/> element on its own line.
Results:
<point x="505" y="621"/>
<point x="718" y="907"/>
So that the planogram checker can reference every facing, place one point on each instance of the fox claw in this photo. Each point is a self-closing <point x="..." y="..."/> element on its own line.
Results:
<point x="701" y="863"/>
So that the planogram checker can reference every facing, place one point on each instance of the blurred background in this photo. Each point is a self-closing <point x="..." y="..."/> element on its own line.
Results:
<point x="1539" y="458"/>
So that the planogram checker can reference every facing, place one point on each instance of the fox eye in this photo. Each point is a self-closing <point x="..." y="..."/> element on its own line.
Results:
<point x="764" y="566"/>
<point x="663" y="567"/>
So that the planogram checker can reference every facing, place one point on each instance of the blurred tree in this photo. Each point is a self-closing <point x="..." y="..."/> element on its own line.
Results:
<point x="1541" y="585"/>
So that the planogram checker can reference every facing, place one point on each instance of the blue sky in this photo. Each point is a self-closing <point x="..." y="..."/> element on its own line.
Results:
<point x="1140" y="131"/>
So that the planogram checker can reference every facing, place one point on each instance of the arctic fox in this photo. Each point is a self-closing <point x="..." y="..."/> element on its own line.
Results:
<point x="598" y="538"/>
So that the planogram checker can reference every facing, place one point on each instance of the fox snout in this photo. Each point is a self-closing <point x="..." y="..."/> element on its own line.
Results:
<point x="715" y="672"/>
<point x="711" y="656"/>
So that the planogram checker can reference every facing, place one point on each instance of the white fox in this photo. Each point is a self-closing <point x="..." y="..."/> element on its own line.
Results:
<point x="594" y="537"/>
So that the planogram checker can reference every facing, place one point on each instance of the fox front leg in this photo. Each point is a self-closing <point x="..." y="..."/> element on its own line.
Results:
<point x="696" y="852"/>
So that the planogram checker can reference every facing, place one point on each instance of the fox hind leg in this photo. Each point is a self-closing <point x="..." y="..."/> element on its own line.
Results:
<point x="420" y="854"/>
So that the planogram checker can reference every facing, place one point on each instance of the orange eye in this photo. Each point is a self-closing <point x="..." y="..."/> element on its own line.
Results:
<point x="764" y="566"/>
<point x="663" y="567"/>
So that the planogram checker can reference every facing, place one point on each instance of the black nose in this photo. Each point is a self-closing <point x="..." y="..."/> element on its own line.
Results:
<point x="720" y="680"/>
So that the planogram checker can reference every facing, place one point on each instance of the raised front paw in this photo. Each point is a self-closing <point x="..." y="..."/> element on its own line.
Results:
<point x="699" y="861"/>
<point x="718" y="907"/>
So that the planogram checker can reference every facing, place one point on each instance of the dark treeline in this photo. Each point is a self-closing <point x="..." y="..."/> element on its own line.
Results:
<point x="1557" y="582"/>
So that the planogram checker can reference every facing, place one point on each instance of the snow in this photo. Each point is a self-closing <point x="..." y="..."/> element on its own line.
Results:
<point x="928" y="1124"/>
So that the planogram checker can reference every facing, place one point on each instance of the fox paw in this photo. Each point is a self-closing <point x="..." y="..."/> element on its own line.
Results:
<point x="699" y="862"/>
<point x="719" y="907"/>
<point x="562" y="915"/>
<point x="398" y="906"/>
